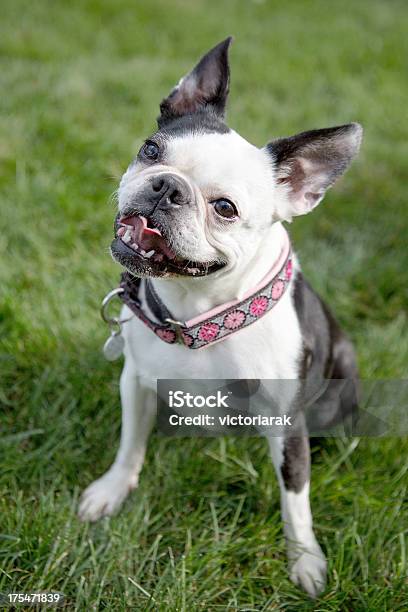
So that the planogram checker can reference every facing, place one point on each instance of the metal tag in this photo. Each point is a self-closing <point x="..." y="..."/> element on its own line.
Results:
<point x="113" y="347"/>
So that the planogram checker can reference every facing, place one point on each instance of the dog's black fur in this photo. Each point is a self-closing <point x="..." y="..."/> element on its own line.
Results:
<point x="329" y="370"/>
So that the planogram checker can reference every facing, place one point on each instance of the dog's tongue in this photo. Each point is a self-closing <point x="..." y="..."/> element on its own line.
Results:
<point x="147" y="238"/>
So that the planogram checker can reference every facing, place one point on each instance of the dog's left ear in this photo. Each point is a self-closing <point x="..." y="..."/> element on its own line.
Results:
<point x="309" y="163"/>
<point x="207" y="85"/>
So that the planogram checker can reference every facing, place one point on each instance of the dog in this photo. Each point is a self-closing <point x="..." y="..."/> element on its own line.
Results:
<point x="199" y="224"/>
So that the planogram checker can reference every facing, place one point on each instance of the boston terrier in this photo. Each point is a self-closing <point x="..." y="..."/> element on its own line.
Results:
<point x="212" y="287"/>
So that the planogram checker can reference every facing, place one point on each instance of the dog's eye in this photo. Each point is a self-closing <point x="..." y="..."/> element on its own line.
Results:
<point x="225" y="208"/>
<point x="150" y="150"/>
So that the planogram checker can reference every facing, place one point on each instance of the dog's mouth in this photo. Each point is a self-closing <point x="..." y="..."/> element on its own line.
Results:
<point x="142" y="246"/>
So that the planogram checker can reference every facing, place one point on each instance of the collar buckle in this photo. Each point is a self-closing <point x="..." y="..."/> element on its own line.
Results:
<point x="177" y="327"/>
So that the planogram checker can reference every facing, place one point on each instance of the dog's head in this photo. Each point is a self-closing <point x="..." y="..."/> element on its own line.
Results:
<point x="199" y="199"/>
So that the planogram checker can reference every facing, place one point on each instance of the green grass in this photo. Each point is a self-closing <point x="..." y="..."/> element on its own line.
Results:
<point x="80" y="85"/>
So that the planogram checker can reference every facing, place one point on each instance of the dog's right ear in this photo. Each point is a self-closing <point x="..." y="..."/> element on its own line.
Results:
<point x="207" y="85"/>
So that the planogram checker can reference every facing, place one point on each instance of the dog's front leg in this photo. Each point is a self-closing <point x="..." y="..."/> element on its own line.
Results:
<point x="105" y="495"/>
<point x="307" y="564"/>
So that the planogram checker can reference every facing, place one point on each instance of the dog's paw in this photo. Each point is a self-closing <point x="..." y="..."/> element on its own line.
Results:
<point x="105" y="496"/>
<point x="309" y="569"/>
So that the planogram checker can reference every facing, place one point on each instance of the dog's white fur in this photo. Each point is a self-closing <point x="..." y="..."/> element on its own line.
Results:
<point x="214" y="166"/>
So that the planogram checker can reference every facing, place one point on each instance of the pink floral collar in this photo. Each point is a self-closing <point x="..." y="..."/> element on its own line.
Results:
<point x="218" y="323"/>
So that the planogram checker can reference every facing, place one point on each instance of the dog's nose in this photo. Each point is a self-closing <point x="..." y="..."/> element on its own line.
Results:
<point x="167" y="190"/>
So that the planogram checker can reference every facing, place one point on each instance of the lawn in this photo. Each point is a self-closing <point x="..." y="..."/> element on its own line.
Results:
<point x="80" y="84"/>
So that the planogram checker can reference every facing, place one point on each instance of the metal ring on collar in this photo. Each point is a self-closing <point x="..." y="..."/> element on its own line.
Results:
<point x="104" y="308"/>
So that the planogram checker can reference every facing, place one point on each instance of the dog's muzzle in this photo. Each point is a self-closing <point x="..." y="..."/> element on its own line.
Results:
<point x="143" y="239"/>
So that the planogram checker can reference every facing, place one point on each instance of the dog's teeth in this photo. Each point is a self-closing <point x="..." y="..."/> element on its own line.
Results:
<point x="127" y="236"/>
<point x="143" y="252"/>
<point x="135" y="246"/>
<point x="149" y="254"/>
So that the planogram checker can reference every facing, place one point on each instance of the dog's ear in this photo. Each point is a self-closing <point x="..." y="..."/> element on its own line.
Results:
<point x="309" y="163"/>
<point x="207" y="85"/>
